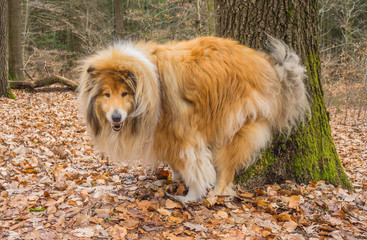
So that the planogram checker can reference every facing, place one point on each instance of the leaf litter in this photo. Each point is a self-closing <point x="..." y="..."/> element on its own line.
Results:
<point x="53" y="185"/>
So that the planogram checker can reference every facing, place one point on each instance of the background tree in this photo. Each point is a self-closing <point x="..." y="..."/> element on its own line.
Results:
<point x="4" y="86"/>
<point x="58" y="33"/>
<point x="119" y="18"/>
<point x="212" y="11"/>
<point x="15" y="40"/>
<point x="343" y="47"/>
<point x="309" y="154"/>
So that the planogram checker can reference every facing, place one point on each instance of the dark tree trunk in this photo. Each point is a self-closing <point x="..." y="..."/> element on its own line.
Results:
<point x="4" y="87"/>
<point x="309" y="154"/>
<point x="15" y="40"/>
<point x="119" y="18"/>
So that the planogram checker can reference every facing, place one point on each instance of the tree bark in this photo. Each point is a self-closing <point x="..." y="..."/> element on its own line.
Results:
<point x="15" y="40"/>
<point x="4" y="87"/>
<point x="308" y="154"/>
<point x="119" y="18"/>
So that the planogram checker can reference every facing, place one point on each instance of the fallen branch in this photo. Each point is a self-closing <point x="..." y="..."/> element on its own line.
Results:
<point x="173" y="198"/>
<point x="49" y="80"/>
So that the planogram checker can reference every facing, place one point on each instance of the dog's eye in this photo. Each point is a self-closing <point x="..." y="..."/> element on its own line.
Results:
<point x="124" y="94"/>
<point x="107" y="95"/>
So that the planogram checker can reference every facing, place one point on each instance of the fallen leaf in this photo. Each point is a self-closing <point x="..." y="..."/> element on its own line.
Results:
<point x="211" y="199"/>
<point x="118" y="232"/>
<point x="244" y="194"/>
<point x="174" y="219"/>
<point x="131" y="224"/>
<point x="221" y="215"/>
<point x="181" y="190"/>
<point x="83" y="232"/>
<point x="290" y="226"/>
<point x="340" y="213"/>
<point x="96" y="220"/>
<point x="195" y="227"/>
<point x="164" y="174"/>
<point x="81" y="218"/>
<point x="294" y="201"/>
<point x="164" y="212"/>
<point x="295" y="236"/>
<point x="172" y="205"/>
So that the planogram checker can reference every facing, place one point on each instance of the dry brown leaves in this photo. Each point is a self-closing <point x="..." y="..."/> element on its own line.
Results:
<point x="53" y="186"/>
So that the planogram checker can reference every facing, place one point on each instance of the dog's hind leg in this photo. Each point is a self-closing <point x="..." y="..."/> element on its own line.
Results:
<point x="240" y="152"/>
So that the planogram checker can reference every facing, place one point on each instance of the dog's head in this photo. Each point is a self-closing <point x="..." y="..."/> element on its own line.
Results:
<point x="119" y="90"/>
<point x="113" y="98"/>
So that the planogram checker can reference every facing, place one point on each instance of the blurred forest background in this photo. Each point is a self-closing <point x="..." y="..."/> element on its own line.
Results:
<point x="56" y="34"/>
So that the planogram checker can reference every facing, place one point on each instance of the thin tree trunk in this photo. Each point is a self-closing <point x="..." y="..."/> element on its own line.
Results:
<point x="15" y="40"/>
<point x="212" y="18"/>
<point x="309" y="154"/>
<point x="199" y="17"/>
<point x="119" y="18"/>
<point x="25" y="25"/>
<point x="4" y="87"/>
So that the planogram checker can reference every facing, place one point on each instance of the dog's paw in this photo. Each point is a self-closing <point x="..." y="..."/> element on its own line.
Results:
<point x="227" y="191"/>
<point x="190" y="196"/>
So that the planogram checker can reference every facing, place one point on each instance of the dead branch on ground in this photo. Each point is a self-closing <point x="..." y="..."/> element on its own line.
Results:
<point x="46" y="81"/>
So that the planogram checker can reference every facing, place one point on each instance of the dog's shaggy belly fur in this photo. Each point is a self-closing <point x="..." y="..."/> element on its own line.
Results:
<point x="213" y="105"/>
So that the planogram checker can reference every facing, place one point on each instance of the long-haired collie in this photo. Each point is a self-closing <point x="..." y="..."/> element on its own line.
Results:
<point x="206" y="107"/>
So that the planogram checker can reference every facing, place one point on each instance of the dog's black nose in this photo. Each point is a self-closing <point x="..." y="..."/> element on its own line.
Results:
<point x="116" y="116"/>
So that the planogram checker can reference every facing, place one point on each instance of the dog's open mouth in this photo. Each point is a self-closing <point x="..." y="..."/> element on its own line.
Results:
<point x="117" y="126"/>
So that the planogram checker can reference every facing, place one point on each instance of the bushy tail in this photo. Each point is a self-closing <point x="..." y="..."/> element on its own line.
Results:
<point x="294" y="106"/>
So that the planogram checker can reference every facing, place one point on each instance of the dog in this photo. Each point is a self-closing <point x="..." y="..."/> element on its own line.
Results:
<point x="206" y="107"/>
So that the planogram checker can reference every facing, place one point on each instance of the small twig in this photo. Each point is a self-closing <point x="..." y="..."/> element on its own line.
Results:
<point x="46" y="69"/>
<point x="25" y="71"/>
<point x="173" y="198"/>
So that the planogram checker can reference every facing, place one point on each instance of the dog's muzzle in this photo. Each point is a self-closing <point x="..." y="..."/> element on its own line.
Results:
<point x="117" y="125"/>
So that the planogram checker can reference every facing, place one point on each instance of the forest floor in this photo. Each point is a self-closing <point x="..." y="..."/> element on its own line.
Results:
<point x="54" y="186"/>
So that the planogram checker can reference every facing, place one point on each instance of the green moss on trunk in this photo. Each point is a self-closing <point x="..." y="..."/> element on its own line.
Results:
<point x="259" y="168"/>
<point x="10" y="94"/>
<point x="316" y="157"/>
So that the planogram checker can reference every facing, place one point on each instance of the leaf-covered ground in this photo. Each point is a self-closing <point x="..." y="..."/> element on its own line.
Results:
<point x="54" y="186"/>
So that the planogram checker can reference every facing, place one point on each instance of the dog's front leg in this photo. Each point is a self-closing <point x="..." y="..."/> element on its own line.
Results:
<point x="198" y="172"/>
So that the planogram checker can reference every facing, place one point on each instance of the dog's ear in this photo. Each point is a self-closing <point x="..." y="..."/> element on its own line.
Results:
<point x="92" y="118"/>
<point x="90" y="81"/>
<point x="92" y="71"/>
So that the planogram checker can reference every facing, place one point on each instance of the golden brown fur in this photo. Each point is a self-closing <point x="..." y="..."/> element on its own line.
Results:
<point x="206" y="107"/>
